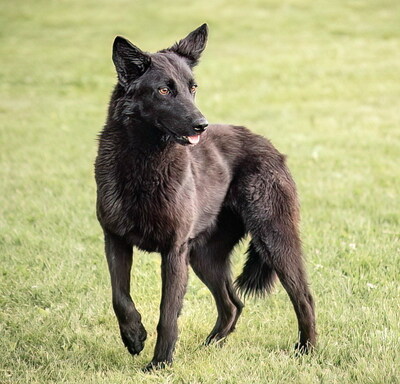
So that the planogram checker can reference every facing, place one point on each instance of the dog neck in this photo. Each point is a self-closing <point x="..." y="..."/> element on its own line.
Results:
<point x="135" y="139"/>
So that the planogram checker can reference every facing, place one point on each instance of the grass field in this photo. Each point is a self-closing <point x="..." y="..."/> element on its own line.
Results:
<point x="321" y="79"/>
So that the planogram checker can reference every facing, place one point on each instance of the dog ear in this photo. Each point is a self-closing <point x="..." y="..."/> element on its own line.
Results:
<point x="130" y="62"/>
<point x="192" y="45"/>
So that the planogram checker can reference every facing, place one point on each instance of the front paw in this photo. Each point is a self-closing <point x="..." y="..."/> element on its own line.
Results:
<point x="156" y="365"/>
<point x="133" y="337"/>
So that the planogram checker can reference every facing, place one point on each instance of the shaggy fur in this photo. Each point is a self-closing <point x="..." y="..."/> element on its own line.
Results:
<point x="159" y="192"/>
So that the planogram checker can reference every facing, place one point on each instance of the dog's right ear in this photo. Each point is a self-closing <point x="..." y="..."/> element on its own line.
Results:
<point x="130" y="62"/>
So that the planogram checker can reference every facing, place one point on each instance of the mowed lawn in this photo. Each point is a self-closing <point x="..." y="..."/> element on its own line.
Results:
<point x="321" y="79"/>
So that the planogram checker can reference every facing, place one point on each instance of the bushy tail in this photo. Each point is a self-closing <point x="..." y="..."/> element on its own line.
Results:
<point x="258" y="276"/>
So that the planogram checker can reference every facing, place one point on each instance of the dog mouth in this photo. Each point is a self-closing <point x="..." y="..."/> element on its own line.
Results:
<point x="192" y="140"/>
<point x="186" y="140"/>
<point x="181" y="139"/>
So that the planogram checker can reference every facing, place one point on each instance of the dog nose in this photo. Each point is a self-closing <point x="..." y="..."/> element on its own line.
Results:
<point x="200" y="125"/>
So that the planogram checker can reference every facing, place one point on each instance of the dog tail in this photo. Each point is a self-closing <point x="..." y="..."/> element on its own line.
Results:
<point x="257" y="277"/>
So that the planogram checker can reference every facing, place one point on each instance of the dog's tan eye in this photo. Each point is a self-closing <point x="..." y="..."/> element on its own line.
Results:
<point x="164" y="91"/>
<point x="193" y="88"/>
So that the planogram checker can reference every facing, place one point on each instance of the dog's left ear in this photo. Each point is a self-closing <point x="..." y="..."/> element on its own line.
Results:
<point x="192" y="45"/>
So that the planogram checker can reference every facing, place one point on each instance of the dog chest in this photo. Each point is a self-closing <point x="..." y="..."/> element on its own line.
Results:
<point x="152" y="211"/>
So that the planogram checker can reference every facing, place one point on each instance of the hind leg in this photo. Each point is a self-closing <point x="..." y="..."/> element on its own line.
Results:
<point x="211" y="264"/>
<point x="229" y="306"/>
<point x="271" y="216"/>
<point x="294" y="281"/>
<point x="286" y="260"/>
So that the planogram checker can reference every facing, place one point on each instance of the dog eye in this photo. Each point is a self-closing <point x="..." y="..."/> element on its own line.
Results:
<point x="193" y="88"/>
<point x="164" y="91"/>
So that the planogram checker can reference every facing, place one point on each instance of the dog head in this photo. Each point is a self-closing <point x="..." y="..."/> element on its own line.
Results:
<point x="159" y="89"/>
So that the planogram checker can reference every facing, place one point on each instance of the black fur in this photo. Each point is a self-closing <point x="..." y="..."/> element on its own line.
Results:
<point x="258" y="275"/>
<point x="159" y="192"/>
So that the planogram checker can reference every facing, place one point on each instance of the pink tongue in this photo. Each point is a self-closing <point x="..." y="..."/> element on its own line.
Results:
<point x="194" y="139"/>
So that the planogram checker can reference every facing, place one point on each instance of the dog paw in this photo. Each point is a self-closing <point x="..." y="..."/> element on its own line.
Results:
<point x="216" y="338"/>
<point x="303" y="348"/>
<point x="156" y="365"/>
<point x="133" y="338"/>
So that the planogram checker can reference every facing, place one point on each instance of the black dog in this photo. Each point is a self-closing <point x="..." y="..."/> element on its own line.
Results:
<point x="166" y="185"/>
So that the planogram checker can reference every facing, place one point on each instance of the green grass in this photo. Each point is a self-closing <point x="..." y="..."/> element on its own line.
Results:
<point x="319" y="78"/>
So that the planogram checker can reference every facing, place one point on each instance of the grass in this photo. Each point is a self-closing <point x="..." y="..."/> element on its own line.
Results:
<point x="320" y="79"/>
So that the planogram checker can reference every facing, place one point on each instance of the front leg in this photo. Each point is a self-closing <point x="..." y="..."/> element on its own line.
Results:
<point x="119" y="258"/>
<point x="174" y="272"/>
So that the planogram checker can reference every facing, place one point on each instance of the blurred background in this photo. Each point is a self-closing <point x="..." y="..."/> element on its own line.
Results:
<point x="321" y="79"/>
